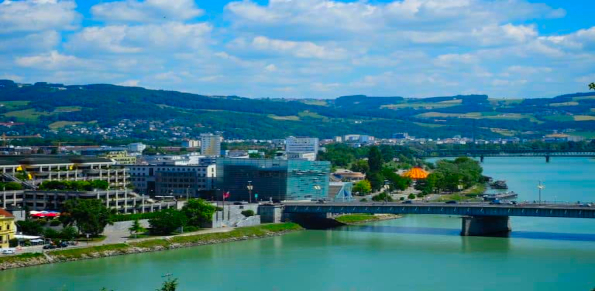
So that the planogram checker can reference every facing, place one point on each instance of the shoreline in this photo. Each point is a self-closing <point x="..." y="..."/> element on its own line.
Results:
<point x="360" y="219"/>
<point x="146" y="246"/>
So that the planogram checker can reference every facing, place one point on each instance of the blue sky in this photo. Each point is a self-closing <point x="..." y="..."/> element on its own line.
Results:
<point x="305" y="48"/>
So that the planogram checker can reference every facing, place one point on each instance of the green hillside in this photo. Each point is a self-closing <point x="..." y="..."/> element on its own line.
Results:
<point x="44" y="107"/>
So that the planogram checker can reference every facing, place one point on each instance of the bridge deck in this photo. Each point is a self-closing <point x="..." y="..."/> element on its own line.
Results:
<point x="471" y="209"/>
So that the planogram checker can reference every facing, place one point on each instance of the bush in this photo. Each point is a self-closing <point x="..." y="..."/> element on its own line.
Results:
<point x="51" y="233"/>
<point x="55" y="222"/>
<point x="420" y="195"/>
<point x="68" y="233"/>
<point x="382" y="197"/>
<point x="130" y="217"/>
<point x="167" y="221"/>
<point x="402" y="198"/>
<point x="248" y="213"/>
<point x="30" y="227"/>
<point x="191" y="228"/>
<point x="411" y="196"/>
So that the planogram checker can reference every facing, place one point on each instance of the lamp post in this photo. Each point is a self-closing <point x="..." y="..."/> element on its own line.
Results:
<point x="317" y="188"/>
<point x="385" y="188"/>
<point x="250" y="188"/>
<point x="540" y="187"/>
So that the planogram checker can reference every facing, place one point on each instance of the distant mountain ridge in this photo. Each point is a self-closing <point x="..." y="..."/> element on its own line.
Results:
<point x="41" y="105"/>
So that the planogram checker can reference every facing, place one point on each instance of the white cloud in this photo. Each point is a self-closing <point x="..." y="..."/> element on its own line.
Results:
<point x="130" y="83"/>
<point x="146" y="11"/>
<point x="42" y="41"/>
<point x="298" y="49"/>
<point x="50" y="61"/>
<point x="37" y="15"/>
<point x="171" y="36"/>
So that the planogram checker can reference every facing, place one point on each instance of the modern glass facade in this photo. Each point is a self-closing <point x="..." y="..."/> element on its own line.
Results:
<point x="278" y="180"/>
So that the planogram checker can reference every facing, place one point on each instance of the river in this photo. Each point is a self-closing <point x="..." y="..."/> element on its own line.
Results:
<point x="412" y="253"/>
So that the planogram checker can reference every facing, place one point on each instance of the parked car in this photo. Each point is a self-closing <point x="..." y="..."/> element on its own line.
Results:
<point x="49" y="247"/>
<point x="8" y="251"/>
<point x="321" y="201"/>
<point x="63" y="244"/>
<point x="408" y="202"/>
<point x="586" y="205"/>
<point x="496" y="202"/>
<point x="451" y="202"/>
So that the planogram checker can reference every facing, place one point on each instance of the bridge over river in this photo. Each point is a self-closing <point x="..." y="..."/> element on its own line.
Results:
<point x="478" y="218"/>
<point x="483" y="153"/>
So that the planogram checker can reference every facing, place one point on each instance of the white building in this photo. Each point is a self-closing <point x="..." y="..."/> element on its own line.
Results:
<point x="137" y="147"/>
<point x="210" y="144"/>
<point x="302" y="145"/>
<point x="190" y="143"/>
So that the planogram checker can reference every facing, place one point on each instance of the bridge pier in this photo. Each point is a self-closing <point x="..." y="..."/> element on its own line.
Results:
<point x="485" y="226"/>
<point x="547" y="158"/>
<point x="481" y="159"/>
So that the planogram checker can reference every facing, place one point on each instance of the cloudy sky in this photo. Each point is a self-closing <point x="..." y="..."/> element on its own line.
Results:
<point x="305" y="48"/>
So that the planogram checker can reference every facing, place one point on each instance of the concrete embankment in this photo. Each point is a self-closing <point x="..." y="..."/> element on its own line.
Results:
<point x="151" y="245"/>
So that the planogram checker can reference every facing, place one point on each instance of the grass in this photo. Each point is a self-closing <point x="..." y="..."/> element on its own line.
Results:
<point x="14" y="104"/>
<point x="481" y="115"/>
<point x="27" y="115"/>
<point x="356" y="218"/>
<point x="584" y="118"/>
<point x="20" y="258"/>
<point x="559" y="118"/>
<point x="86" y="252"/>
<point x="311" y="115"/>
<point x="571" y="103"/>
<point x="315" y="102"/>
<point x="92" y="239"/>
<point x="504" y="132"/>
<point x="61" y="109"/>
<point x="60" y="124"/>
<point x="430" y="125"/>
<point x="253" y="231"/>
<point x="290" y="117"/>
<point x="585" y="134"/>
<point x="431" y="105"/>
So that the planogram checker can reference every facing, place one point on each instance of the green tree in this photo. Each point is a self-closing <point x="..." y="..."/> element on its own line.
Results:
<point x="198" y="212"/>
<point x="30" y="227"/>
<point x="89" y="215"/>
<point x="375" y="161"/>
<point x="396" y="182"/>
<point x="136" y="228"/>
<point x="11" y="186"/>
<point x="68" y="233"/>
<point x="248" y="213"/>
<point x="169" y="285"/>
<point x="360" y="166"/>
<point x="376" y="180"/>
<point x="167" y="221"/>
<point x="362" y="187"/>
<point x="592" y="86"/>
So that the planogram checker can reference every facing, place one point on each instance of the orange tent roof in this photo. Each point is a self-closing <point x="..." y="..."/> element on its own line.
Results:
<point x="416" y="173"/>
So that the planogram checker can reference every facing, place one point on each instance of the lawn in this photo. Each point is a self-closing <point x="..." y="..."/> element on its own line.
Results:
<point x="356" y="218"/>
<point x="61" y="109"/>
<point x="430" y="105"/>
<point x="290" y="117"/>
<point x="86" y="252"/>
<point x="27" y="115"/>
<point x="584" y="118"/>
<point x="60" y="124"/>
<point x="14" y="104"/>
<point x="570" y="103"/>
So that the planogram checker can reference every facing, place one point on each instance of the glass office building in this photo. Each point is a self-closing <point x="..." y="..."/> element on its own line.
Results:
<point x="278" y="180"/>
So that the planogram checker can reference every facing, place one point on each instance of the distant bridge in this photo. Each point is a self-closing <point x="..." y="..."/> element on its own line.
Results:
<point x="481" y="153"/>
<point x="478" y="218"/>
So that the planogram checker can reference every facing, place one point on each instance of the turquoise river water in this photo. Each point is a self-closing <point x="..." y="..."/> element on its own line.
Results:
<point x="412" y="253"/>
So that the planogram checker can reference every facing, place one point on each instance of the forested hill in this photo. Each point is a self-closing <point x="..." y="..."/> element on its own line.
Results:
<point x="42" y="105"/>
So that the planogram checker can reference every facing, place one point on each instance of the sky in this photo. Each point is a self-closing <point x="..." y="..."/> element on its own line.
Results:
<point x="305" y="48"/>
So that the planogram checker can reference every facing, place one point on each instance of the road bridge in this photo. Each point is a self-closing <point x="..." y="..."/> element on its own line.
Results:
<point x="478" y="218"/>
<point x="483" y="153"/>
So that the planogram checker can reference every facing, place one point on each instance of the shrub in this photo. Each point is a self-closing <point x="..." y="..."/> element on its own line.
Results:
<point x="382" y="197"/>
<point x="191" y="228"/>
<point x="411" y="196"/>
<point x="402" y="198"/>
<point x="55" y="222"/>
<point x="167" y="221"/>
<point x="51" y="233"/>
<point x="248" y="213"/>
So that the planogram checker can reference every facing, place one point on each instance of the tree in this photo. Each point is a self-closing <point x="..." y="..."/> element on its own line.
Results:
<point x="248" y="213"/>
<point x="89" y="215"/>
<point x="592" y="86"/>
<point x="11" y="186"/>
<point x="30" y="227"/>
<point x="136" y="228"/>
<point x="68" y="233"/>
<point x="167" y="221"/>
<point x="375" y="161"/>
<point x="169" y="285"/>
<point x="376" y="180"/>
<point x="198" y="212"/>
<point x="360" y="166"/>
<point x="362" y="187"/>
<point x="396" y="181"/>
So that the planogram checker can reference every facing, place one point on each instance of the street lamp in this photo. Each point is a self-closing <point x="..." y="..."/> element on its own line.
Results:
<point x="250" y="188"/>
<point x="317" y="188"/>
<point x="540" y="187"/>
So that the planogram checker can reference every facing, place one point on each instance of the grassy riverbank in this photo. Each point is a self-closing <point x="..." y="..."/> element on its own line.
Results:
<point x="362" y="218"/>
<point x="74" y="254"/>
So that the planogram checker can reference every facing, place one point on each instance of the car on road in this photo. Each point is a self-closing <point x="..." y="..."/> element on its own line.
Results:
<point x="407" y="202"/>
<point x="49" y="247"/>
<point x="451" y="202"/>
<point x="8" y="251"/>
<point x="496" y="202"/>
<point x="321" y="201"/>
<point x="586" y="205"/>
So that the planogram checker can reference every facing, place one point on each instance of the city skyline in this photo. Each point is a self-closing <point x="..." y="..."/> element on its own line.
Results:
<point x="305" y="49"/>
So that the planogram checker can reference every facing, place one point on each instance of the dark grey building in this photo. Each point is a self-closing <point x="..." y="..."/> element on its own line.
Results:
<point x="278" y="180"/>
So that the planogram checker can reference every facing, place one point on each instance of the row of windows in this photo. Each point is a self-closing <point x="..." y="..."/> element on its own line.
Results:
<point x="175" y="169"/>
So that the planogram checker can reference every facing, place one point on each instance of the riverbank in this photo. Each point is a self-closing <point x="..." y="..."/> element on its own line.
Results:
<point x="148" y="245"/>
<point x="363" y="218"/>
